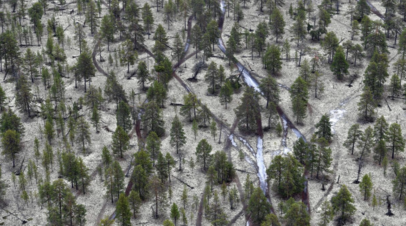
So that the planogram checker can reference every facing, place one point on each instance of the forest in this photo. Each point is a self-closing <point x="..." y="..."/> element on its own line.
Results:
<point x="202" y="112"/>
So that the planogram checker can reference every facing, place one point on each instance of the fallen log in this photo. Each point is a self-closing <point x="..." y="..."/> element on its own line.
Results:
<point x="183" y="182"/>
<point x="176" y="104"/>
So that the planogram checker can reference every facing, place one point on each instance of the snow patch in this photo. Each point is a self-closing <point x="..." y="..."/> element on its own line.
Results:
<point x="298" y="134"/>
<point x="248" y="79"/>
<point x="261" y="166"/>
<point x="222" y="7"/>
<point x="247" y="144"/>
<point x="231" y="137"/>
<point x="335" y="116"/>
<point x="187" y="46"/>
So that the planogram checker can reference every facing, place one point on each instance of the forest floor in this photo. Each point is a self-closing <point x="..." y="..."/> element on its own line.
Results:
<point x="339" y="101"/>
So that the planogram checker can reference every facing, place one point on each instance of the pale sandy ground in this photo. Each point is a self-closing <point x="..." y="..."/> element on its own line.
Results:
<point x="340" y="97"/>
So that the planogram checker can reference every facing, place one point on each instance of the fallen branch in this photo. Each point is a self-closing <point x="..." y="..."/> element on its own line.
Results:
<point x="244" y="171"/>
<point x="183" y="182"/>
<point x="176" y="104"/>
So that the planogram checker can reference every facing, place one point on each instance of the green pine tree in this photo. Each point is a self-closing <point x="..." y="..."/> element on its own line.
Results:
<point x="123" y="212"/>
<point x="339" y="66"/>
<point x="120" y="141"/>
<point x="258" y="206"/>
<point x="366" y="186"/>
<point x="342" y="204"/>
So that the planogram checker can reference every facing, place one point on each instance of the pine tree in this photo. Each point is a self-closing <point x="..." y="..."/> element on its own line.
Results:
<point x="323" y="158"/>
<point x="30" y="64"/>
<point x="270" y="89"/>
<point x="139" y="178"/>
<point x="299" y="98"/>
<point x="135" y="202"/>
<point x="287" y="171"/>
<point x="190" y="104"/>
<point x="354" y="134"/>
<point x="123" y="212"/>
<point x="339" y="66"/>
<point x="376" y="74"/>
<point x="365" y="145"/>
<point x="178" y="138"/>
<point x="153" y="146"/>
<point x="82" y="133"/>
<point x="362" y="9"/>
<point x="395" y="86"/>
<point x="301" y="151"/>
<point x="212" y="77"/>
<point x="147" y="17"/>
<point x="327" y="214"/>
<point x="213" y="129"/>
<point x="305" y="72"/>
<point x="120" y="141"/>
<point x="367" y="105"/>
<point x="107" y="29"/>
<point x="195" y="127"/>
<point x="271" y="220"/>
<point x="204" y="115"/>
<point x="178" y="49"/>
<point x="272" y="59"/>
<point x="226" y="92"/>
<point x="380" y="151"/>
<point x="106" y="157"/>
<point x="324" y="128"/>
<point x="365" y="222"/>
<point x="356" y="53"/>
<point x="49" y="131"/>
<point x="160" y="36"/>
<point x="136" y="31"/>
<point x="395" y="139"/>
<point x="248" y="111"/>
<point x="366" y="187"/>
<point x="2" y="98"/>
<point x="203" y="151"/>
<point x="157" y="189"/>
<point x="91" y="16"/>
<point x="11" y="144"/>
<point x="128" y="54"/>
<point x="95" y="118"/>
<point x="342" y="204"/>
<point x="10" y="50"/>
<point x="158" y="93"/>
<point x="216" y="214"/>
<point x="114" y="180"/>
<point x="402" y="43"/>
<point x="277" y="23"/>
<point x="376" y="42"/>
<point x="175" y="214"/>
<point x="152" y="119"/>
<point x="123" y="116"/>
<point x="299" y="30"/>
<point x="167" y="222"/>
<point x="184" y="197"/>
<point x="24" y="96"/>
<point x="297" y="215"/>
<point x="380" y="129"/>
<point x="84" y="67"/>
<point x="374" y="202"/>
<point x="142" y="73"/>
<point x="258" y="206"/>
<point x="10" y="121"/>
<point x="142" y="158"/>
<point x="399" y="183"/>
<point x="212" y="31"/>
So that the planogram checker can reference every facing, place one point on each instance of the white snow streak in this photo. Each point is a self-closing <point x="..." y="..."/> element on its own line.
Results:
<point x="335" y="116"/>
<point x="261" y="166"/>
